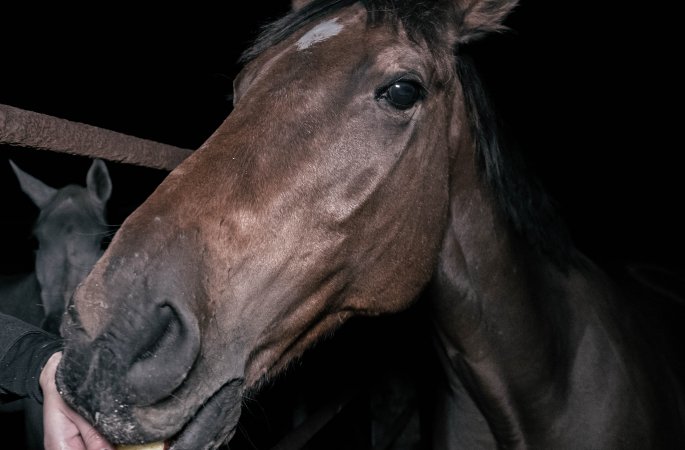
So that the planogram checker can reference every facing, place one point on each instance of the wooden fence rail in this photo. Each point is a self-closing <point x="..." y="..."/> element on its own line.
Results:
<point x="21" y="128"/>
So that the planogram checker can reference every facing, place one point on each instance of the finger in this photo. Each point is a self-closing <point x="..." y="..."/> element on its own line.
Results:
<point x="61" y="434"/>
<point x="94" y="440"/>
<point x="91" y="438"/>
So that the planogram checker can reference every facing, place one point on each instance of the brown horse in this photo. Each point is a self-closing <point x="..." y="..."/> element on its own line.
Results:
<point x="360" y="168"/>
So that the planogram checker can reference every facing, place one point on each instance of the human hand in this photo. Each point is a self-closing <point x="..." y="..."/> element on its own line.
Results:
<point x="64" y="429"/>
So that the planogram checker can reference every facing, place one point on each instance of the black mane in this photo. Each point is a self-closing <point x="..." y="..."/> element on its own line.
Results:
<point x="519" y="195"/>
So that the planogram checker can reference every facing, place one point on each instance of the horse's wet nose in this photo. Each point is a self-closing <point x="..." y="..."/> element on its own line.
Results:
<point x="165" y="351"/>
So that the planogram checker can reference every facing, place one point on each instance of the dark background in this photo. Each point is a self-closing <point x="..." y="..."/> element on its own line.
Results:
<point x="589" y="91"/>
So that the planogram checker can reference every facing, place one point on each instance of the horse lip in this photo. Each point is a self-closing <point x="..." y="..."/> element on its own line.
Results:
<point x="214" y="422"/>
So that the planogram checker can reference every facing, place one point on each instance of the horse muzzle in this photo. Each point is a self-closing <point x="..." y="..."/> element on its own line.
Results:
<point x="130" y="380"/>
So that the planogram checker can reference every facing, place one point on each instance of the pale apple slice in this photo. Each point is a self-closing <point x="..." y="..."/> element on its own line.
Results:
<point x="149" y="446"/>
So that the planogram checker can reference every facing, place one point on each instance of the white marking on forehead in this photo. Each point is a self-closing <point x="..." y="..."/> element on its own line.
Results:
<point x="319" y="33"/>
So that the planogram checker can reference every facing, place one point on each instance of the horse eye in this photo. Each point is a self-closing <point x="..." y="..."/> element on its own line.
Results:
<point x="402" y="94"/>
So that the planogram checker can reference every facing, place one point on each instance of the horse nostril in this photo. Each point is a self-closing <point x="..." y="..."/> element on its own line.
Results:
<point x="170" y="346"/>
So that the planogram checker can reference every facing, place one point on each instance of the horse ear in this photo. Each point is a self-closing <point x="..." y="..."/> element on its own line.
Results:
<point x="299" y="4"/>
<point x="39" y="192"/>
<point x="98" y="181"/>
<point x="481" y="17"/>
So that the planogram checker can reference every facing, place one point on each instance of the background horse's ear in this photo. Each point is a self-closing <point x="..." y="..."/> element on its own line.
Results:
<point x="481" y="17"/>
<point x="39" y="192"/>
<point x="299" y="4"/>
<point x="98" y="181"/>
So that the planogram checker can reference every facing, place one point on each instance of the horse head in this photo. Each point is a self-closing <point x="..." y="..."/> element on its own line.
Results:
<point x="69" y="230"/>
<point x="324" y="194"/>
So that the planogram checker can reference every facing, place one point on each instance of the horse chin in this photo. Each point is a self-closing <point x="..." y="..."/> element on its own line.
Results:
<point x="215" y="422"/>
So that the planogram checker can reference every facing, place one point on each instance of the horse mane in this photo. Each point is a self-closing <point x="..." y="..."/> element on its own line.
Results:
<point x="519" y="195"/>
<point x="421" y="19"/>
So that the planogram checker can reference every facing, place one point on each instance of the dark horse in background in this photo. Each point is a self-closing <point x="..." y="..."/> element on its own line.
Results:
<point x="361" y="169"/>
<point x="69" y="231"/>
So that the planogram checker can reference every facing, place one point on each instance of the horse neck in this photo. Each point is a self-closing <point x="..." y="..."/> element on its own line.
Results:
<point x="508" y="321"/>
<point x="538" y="347"/>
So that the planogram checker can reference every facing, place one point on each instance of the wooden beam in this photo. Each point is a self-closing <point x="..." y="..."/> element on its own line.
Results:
<point x="29" y="129"/>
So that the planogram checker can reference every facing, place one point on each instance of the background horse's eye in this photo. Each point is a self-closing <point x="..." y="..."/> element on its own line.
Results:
<point x="402" y="94"/>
